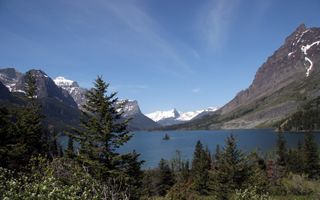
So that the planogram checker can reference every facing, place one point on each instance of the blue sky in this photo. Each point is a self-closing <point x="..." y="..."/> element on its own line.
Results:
<point x="163" y="53"/>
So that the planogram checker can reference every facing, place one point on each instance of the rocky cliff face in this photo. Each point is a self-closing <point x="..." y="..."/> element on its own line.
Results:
<point x="273" y="93"/>
<point x="9" y="77"/>
<point x="288" y="78"/>
<point x="139" y="121"/>
<point x="72" y="87"/>
<point x="288" y="64"/>
<point x="4" y="92"/>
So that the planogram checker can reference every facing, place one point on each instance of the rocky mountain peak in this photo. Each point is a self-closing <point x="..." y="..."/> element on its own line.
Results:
<point x="73" y="88"/>
<point x="293" y="61"/>
<point x="9" y="77"/>
<point x="130" y="107"/>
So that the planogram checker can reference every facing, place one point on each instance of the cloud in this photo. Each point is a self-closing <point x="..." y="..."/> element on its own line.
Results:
<point x="144" y="26"/>
<point x="215" y="21"/>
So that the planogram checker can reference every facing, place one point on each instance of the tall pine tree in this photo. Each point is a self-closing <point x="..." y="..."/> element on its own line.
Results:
<point x="311" y="156"/>
<point x="165" y="178"/>
<point x="282" y="153"/>
<point x="200" y="169"/>
<point x="24" y="129"/>
<point x="102" y="132"/>
<point x="231" y="171"/>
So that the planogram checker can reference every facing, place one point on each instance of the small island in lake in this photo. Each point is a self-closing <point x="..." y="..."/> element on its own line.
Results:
<point x="166" y="137"/>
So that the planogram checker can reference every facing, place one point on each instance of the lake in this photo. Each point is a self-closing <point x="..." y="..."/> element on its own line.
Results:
<point x="152" y="147"/>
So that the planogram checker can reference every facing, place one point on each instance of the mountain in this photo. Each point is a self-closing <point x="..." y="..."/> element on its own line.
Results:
<point x="58" y="106"/>
<point x="138" y="120"/>
<point x="72" y="87"/>
<point x="288" y="78"/>
<point x="172" y="117"/>
<point x="131" y="108"/>
<point x="4" y="92"/>
<point x="9" y="77"/>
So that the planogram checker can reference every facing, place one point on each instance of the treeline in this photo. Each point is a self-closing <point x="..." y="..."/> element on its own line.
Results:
<point x="306" y="119"/>
<point x="229" y="173"/>
<point x="34" y="166"/>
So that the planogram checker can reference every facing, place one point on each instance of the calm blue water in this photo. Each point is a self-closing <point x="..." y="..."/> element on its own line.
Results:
<point x="152" y="148"/>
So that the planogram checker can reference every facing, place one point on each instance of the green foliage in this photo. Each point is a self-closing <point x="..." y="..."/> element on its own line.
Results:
<point x="60" y="178"/>
<point x="296" y="184"/>
<point x="232" y="171"/>
<point x="22" y="135"/>
<point x="250" y="193"/>
<point x="311" y="156"/>
<point x="70" y="150"/>
<point x="306" y="118"/>
<point x="165" y="178"/>
<point x="200" y="169"/>
<point x="281" y="151"/>
<point x="102" y="132"/>
<point x="295" y="160"/>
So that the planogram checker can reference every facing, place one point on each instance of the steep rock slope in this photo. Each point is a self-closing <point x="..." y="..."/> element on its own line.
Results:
<point x="286" y="80"/>
<point x="72" y="87"/>
<point x="138" y="120"/>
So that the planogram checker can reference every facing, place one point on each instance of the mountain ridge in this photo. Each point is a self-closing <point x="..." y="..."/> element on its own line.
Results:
<point x="173" y="116"/>
<point x="289" y="77"/>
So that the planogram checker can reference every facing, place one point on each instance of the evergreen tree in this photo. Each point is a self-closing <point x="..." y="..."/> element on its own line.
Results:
<point x="165" y="178"/>
<point x="281" y="151"/>
<point x="232" y="171"/>
<point x="23" y="132"/>
<point x="217" y="153"/>
<point x="311" y="156"/>
<point x="7" y="139"/>
<point x="30" y="122"/>
<point x="102" y="132"/>
<point x="131" y="172"/>
<point x="70" y="150"/>
<point x="258" y="174"/>
<point x="200" y="170"/>
<point x="295" y="161"/>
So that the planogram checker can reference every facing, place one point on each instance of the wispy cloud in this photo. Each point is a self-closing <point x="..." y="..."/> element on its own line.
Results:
<point x="215" y="21"/>
<point x="147" y="28"/>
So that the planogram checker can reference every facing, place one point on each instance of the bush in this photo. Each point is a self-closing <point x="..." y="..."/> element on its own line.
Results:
<point x="250" y="193"/>
<point x="58" y="179"/>
<point x="300" y="185"/>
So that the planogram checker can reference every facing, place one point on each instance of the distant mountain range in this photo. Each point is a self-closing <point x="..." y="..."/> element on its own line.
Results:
<point x="286" y="81"/>
<point x="61" y="99"/>
<point x="171" y="117"/>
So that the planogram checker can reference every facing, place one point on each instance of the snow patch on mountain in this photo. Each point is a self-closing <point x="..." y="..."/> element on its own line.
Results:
<point x="304" y="49"/>
<point x="63" y="82"/>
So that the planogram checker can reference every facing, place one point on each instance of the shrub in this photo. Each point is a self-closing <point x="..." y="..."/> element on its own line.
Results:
<point x="250" y="193"/>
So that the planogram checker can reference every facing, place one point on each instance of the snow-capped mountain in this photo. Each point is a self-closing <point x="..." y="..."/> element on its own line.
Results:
<point x="162" y="115"/>
<point x="173" y="116"/>
<point x="130" y="107"/>
<point x="73" y="88"/>
<point x="139" y="121"/>
<point x="9" y="77"/>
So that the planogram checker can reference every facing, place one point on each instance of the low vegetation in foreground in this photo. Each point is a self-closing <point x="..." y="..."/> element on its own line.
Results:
<point x="34" y="166"/>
